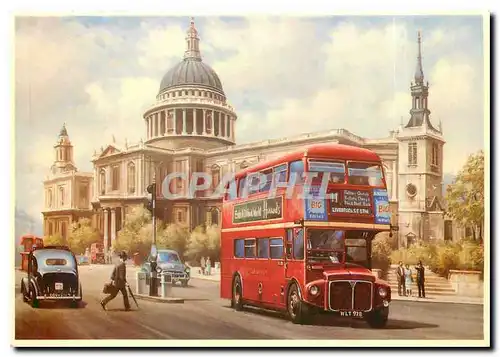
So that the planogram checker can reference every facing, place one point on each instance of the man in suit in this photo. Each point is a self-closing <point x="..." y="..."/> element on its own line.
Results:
<point x="119" y="282"/>
<point x="420" y="279"/>
<point x="401" y="279"/>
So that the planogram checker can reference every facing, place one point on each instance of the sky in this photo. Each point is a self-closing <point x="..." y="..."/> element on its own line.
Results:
<point x="284" y="76"/>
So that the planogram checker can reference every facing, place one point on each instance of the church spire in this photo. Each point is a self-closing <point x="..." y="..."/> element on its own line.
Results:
<point x="419" y="72"/>
<point x="193" y="43"/>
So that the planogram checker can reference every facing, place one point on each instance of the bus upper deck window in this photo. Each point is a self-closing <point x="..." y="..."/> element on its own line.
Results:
<point x="334" y="170"/>
<point x="297" y="171"/>
<point x="362" y="173"/>
<point x="241" y="187"/>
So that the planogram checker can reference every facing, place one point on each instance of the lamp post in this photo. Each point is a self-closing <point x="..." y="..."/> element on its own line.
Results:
<point x="153" y="286"/>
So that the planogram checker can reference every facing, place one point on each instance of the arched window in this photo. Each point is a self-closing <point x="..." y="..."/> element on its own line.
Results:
<point x="215" y="176"/>
<point x="215" y="216"/>
<point x="102" y="182"/>
<point x="49" y="198"/>
<point x="131" y="177"/>
<point x="61" y="196"/>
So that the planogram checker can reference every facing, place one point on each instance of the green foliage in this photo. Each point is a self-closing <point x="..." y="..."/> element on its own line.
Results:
<point x="443" y="256"/>
<point x="173" y="236"/>
<point x="204" y="243"/>
<point x="136" y="234"/>
<point x="55" y="239"/>
<point x="382" y="246"/>
<point x="465" y="196"/>
<point x="82" y="235"/>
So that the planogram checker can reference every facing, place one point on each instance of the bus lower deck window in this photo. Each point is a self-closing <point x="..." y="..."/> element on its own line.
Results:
<point x="276" y="248"/>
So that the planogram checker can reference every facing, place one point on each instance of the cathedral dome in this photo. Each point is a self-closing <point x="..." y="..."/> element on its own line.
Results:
<point x="192" y="70"/>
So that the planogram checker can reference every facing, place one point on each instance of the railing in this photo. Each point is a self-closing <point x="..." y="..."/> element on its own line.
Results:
<point x="191" y="100"/>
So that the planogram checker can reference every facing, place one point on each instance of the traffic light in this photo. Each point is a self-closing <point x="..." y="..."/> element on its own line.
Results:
<point x="151" y="205"/>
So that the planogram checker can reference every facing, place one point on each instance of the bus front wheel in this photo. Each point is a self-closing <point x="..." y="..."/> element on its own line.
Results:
<point x="236" y="300"/>
<point x="378" y="318"/>
<point x="297" y="311"/>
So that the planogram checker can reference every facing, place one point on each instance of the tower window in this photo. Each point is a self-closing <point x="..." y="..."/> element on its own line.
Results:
<point x="435" y="154"/>
<point x="49" y="197"/>
<point x="412" y="153"/>
<point x="61" y="196"/>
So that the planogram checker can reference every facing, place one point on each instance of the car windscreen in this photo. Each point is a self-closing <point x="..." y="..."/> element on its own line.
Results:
<point x="168" y="257"/>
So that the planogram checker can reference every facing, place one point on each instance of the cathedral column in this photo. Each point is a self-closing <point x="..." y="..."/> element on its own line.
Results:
<point x="195" y="126"/>
<point x="220" y="124"/>
<point x="175" y="122"/>
<point x="184" y="124"/>
<point x="204" y="122"/>
<point x="232" y="129"/>
<point x="163" y="124"/>
<point x="113" y="227"/>
<point x="226" y="124"/>
<point x="394" y="181"/>
<point x="105" y="229"/>
<point x="157" y="124"/>
<point x="213" y="122"/>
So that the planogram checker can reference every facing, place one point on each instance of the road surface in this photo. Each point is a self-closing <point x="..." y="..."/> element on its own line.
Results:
<point x="205" y="316"/>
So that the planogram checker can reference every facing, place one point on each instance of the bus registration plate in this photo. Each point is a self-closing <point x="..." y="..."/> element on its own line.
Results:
<point x="58" y="286"/>
<point x="351" y="313"/>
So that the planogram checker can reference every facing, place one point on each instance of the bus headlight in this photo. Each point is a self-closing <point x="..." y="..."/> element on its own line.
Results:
<point x="382" y="292"/>
<point x="314" y="290"/>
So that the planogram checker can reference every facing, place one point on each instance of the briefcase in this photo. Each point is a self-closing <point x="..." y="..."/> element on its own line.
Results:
<point x="108" y="288"/>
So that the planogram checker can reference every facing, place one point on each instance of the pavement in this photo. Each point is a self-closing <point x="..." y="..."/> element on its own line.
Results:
<point x="205" y="316"/>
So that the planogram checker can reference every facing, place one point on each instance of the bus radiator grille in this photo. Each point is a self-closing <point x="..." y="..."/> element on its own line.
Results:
<point x="340" y="295"/>
<point x="362" y="296"/>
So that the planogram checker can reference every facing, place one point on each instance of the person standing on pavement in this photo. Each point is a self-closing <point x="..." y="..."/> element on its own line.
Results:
<point x="119" y="283"/>
<point x="408" y="280"/>
<point x="401" y="279"/>
<point x="202" y="265"/>
<point x="209" y="266"/>
<point x="420" y="279"/>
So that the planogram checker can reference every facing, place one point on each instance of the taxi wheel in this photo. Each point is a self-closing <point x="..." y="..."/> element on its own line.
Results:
<point x="236" y="300"/>
<point x="296" y="310"/>
<point x="34" y="301"/>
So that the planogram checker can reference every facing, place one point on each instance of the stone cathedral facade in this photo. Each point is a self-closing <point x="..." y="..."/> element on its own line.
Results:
<point x="190" y="129"/>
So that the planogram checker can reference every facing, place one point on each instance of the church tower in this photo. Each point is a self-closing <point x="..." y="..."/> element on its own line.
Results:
<point x="420" y="168"/>
<point x="63" y="153"/>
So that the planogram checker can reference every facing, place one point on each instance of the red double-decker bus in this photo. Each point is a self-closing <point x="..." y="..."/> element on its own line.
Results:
<point x="312" y="254"/>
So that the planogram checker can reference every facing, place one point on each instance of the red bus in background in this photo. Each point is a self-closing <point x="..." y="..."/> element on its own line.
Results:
<point x="29" y="241"/>
<point x="307" y="255"/>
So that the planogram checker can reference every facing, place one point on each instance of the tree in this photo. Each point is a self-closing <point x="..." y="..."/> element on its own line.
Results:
<point x="173" y="236"/>
<point x="136" y="234"/>
<point x="55" y="239"/>
<point x="204" y="243"/>
<point x="465" y="196"/>
<point x="82" y="235"/>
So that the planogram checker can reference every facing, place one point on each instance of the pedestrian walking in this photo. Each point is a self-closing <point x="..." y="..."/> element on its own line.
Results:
<point x="118" y="283"/>
<point x="401" y="279"/>
<point x="202" y="265"/>
<point x="420" y="279"/>
<point x="408" y="280"/>
<point x="209" y="266"/>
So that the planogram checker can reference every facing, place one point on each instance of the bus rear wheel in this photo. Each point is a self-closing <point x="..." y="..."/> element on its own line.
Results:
<point x="297" y="311"/>
<point x="236" y="300"/>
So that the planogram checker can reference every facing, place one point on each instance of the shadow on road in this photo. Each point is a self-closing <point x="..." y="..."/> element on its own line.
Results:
<point x="56" y="305"/>
<point x="335" y="321"/>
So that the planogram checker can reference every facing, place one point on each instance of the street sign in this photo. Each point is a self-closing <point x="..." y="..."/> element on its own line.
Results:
<point x="154" y="251"/>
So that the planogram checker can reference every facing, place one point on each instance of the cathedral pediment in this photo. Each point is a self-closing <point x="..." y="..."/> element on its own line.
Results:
<point x="110" y="150"/>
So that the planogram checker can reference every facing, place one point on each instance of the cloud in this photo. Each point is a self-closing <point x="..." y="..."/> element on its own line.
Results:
<point x="284" y="76"/>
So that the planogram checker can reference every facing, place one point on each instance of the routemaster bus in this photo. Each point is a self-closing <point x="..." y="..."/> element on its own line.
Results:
<point x="313" y="254"/>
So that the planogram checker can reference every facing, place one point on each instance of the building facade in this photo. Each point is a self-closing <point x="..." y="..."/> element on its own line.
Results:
<point x="190" y="128"/>
<point x="67" y="192"/>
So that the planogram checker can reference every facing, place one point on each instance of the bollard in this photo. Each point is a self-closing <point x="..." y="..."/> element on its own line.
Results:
<point x="140" y="287"/>
<point x="165" y="286"/>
